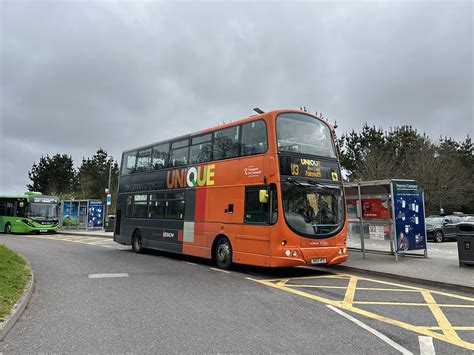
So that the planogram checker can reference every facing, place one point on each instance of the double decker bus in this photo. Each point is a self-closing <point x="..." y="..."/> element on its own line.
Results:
<point x="265" y="191"/>
<point x="29" y="213"/>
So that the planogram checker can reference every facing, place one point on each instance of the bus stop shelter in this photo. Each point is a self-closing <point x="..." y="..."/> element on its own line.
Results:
<point x="386" y="216"/>
<point x="82" y="214"/>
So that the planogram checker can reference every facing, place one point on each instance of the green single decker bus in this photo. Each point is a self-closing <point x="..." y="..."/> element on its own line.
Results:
<point x="31" y="213"/>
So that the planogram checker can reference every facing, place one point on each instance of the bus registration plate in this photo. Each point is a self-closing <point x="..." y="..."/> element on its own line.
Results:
<point x="318" y="261"/>
<point x="43" y="231"/>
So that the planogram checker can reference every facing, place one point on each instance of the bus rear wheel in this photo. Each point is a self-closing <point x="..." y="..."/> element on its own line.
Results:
<point x="223" y="253"/>
<point x="137" y="242"/>
<point x="8" y="228"/>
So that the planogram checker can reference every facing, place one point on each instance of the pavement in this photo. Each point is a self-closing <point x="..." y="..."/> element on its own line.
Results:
<point x="95" y="296"/>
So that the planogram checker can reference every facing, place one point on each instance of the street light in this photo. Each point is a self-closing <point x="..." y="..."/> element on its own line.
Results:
<point x="107" y="190"/>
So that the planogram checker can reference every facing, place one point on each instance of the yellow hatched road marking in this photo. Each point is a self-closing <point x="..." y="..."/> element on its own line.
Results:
<point x="332" y="276"/>
<point x="442" y="320"/>
<point x="282" y="282"/>
<point x="454" y="327"/>
<point x="351" y="288"/>
<point x="449" y="334"/>
<point x="414" y="304"/>
<point x="99" y="242"/>
<point x="320" y="286"/>
<point x="82" y="240"/>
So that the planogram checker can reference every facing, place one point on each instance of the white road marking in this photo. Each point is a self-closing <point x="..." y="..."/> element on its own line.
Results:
<point x="426" y="345"/>
<point x="372" y="330"/>
<point x="213" y="268"/>
<point x="104" y="276"/>
<point x="190" y="263"/>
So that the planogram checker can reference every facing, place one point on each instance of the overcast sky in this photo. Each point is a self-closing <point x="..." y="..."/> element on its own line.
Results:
<point x="78" y="75"/>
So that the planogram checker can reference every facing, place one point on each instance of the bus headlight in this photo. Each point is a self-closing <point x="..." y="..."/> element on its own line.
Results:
<point x="295" y="253"/>
<point x="27" y="222"/>
<point x="287" y="252"/>
<point x="283" y="242"/>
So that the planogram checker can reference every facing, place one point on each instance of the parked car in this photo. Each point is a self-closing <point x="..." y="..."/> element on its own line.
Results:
<point x="441" y="228"/>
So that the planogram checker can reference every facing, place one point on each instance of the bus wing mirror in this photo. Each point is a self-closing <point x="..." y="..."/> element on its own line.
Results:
<point x="263" y="196"/>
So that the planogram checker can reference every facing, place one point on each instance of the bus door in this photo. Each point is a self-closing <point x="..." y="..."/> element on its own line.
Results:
<point x="260" y="212"/>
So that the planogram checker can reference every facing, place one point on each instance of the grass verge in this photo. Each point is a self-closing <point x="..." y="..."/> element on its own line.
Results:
<point x="14" y="276"/>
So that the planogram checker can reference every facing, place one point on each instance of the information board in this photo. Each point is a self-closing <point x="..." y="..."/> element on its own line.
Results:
<point x="95" y="214"/>
<point x="409" y="215"/>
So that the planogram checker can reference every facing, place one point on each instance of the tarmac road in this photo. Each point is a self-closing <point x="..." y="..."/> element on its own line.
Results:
<point x="94" y="296"/>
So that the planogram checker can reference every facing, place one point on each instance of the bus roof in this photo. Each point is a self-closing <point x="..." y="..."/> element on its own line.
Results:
<point x="264" y="115"/>
<point x="30" y="195"/>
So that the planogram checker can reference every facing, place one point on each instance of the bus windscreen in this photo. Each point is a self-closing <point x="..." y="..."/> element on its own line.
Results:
<point x="298" y="133"/>
<point x="312" y="209"/>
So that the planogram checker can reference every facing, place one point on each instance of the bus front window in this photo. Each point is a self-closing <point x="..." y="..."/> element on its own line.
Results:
<point x="42" y="211"/>
<point x="298" y="133"/>
<point x="313" y="209"/>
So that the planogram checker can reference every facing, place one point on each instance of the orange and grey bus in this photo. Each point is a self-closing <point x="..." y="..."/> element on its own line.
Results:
<point x="265" y="190"/>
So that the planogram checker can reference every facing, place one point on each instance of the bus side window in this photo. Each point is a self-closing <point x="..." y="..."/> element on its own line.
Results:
<point x="201" y="149"/>
<point x="254" y="138"/>
<point x="160" y="156"/>
<point x="144" y="160"/>
<point x="273" y="204"/>
<point x="10" y="211"/>
<point x="140" y="206"/>
<point x="128" y="211"/>
<point x="2" y="208"/>
<point x="20" y="209"/>
<point x="179" y="153"/>
<point x="128" y="162"/>
<point x="227" y="143"/>
<point x="255" y="211"/>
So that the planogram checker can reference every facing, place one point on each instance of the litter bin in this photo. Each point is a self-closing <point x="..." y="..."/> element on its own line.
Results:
<point x="110" y="225"/>
<point x="465" y="236"/>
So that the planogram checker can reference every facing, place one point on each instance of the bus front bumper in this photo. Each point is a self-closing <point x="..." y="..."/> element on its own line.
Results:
<point x="312" y="256"/>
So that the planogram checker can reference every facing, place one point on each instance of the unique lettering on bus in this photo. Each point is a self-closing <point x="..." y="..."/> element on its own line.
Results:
<point x="195" y="176"/>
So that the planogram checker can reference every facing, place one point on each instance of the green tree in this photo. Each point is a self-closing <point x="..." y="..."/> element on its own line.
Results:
<point x="93" y="177"/>
<point x="443" y="168"/>
<point x="53" y="175"/>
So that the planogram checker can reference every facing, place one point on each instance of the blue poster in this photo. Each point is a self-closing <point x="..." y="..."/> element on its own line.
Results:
<point x="70" y="213"/>
<point x="409" y="215"/>
<point x="95" y="214"/>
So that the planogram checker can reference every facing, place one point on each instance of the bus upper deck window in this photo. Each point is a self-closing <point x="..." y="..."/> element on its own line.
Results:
<point x="129" y="162"/>
<point x="254" y="138"/>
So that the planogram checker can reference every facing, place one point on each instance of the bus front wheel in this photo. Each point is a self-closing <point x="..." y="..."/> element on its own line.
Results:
<point x="137" y="243"/>
<point x="223" y="253"/>
<point x="8" y="228"/>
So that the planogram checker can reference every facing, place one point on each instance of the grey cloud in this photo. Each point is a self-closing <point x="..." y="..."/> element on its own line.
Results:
<point x="77" y="76"/>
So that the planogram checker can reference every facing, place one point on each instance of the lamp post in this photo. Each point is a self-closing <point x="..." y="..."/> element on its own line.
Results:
<point x="107" y="190"/>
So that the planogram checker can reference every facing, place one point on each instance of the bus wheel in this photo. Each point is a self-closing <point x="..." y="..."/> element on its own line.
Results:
<point x="137" y="244"/>
<point x="223" y="253"/>
<point x="8" y="228"/>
